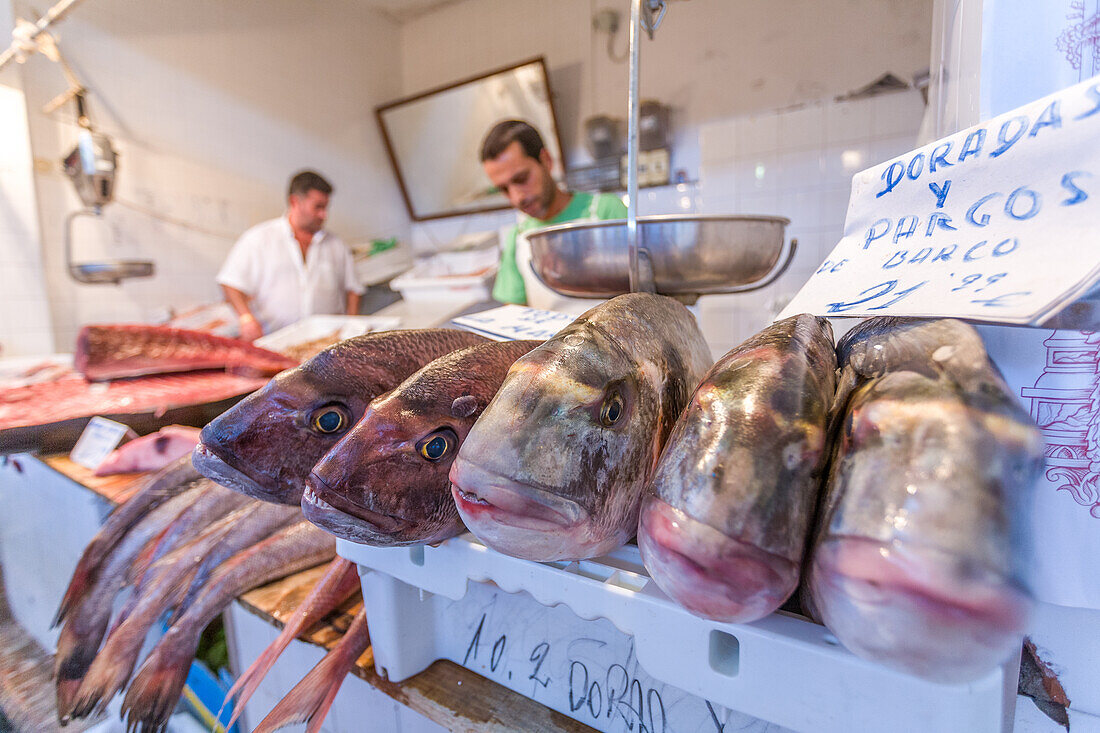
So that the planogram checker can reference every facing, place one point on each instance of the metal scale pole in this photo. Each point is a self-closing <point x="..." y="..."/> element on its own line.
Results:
<point x="649" y="13"/>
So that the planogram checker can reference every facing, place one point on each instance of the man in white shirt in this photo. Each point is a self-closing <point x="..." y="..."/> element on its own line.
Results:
<point x="287" y="268"/>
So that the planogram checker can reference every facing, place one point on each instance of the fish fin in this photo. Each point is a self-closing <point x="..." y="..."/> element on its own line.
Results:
<point x="318" y="718"/>
<point x="311" y="698"/>
<point x="156" y="688"/>
<point x="338" y="583"/>
<point x="78" y="585"/>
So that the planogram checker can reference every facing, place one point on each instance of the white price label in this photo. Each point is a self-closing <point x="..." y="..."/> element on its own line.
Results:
<point x="516" y="322"/>
<point x="100" y="437"/>
<point x="998" y="223"/>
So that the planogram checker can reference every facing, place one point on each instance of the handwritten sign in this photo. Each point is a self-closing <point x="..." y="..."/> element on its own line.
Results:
<point x="584" y="669"/>
<point x="996" y="223"/>
<point x="100" y="437"/>
<point x="516" y="322"/>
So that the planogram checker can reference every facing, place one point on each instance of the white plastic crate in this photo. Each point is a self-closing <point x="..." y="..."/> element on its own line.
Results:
<point x="782" y="669"/>
<point x="466" y="274"/>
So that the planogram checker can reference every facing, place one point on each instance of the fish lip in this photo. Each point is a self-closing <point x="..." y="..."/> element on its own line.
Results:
<point x="383" y="523"/>
<point x="996" y="601"/>
<point x="499" y="496"/>
<point x="210" y="464"/>
<point x="708" y="572"/>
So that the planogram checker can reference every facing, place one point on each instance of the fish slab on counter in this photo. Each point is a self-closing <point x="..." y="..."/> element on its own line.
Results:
<point x="112" y="351"/>
<point x="386" y="482"/>
<point x="555" y="467"/>
<point x="32" y="414"/>
<point x="266" y="445"/>
<point x="150" y="452"/>
<point x="919" y="556"/>
<point x="732" y="500"/>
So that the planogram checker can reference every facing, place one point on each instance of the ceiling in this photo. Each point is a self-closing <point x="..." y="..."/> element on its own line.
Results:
<point x="405" y="10"/>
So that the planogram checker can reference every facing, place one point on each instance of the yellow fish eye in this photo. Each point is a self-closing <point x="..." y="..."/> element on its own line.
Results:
<point x="611" y="410"/>
<point x="436" y="447"/>
<point x="329" y="420"/>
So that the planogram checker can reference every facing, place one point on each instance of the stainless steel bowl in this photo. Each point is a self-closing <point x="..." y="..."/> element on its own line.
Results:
<point x="681" y="254"/>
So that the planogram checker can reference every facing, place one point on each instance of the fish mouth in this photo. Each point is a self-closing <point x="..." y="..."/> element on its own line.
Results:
<point x="709" y="573"/>
<point x="322" y="506"/>
<point x="486" y="496"/>
<point x="206" y="461"/>
<point x="909" y="608"/>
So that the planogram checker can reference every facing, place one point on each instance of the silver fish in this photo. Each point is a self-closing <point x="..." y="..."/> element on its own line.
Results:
<point x="920" y="553"/>
<point x="724" y="527"/>
<point x="556" y="465"/>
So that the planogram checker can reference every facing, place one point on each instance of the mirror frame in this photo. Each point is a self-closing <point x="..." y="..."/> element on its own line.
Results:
<point x="390" y="151"/>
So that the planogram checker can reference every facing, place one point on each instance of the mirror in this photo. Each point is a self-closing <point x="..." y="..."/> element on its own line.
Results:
<point x="433" y="139"/>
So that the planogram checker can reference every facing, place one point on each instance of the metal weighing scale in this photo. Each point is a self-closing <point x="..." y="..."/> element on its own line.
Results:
<point x="680" y="255"/>
<point x="91" y="166"/>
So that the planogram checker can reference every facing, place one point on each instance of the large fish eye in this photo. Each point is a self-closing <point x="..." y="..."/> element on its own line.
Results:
<point x="437" y="445"/>
<point x="612" y="409"/>
<point x="329" y="419"/>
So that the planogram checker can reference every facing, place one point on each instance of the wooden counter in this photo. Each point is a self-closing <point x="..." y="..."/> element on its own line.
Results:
<point x="446" y="693"/>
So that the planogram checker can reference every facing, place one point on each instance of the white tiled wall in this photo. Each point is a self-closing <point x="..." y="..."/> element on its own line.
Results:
<point x="206" y="208"/>
<point x="798" y="164"/>
<point x="24" y="316"/>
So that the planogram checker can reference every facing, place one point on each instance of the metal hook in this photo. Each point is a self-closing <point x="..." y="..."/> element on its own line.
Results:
<point x="653" y="12"/>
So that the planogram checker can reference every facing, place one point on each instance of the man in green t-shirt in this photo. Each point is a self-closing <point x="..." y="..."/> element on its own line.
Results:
<point x="517" y="162"/>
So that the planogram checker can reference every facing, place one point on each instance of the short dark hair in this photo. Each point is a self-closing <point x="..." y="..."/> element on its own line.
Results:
<point x="505" y="133"/>
<point x="305" y="181"/>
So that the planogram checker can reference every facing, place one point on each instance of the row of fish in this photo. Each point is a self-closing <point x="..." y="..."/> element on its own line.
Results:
<point x="888" y="480"/>
<point x="571" y="452"/>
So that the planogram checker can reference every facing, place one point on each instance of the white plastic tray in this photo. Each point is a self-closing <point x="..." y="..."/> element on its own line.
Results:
<point x="315" y="327"/>
<point x="782" y="669"/>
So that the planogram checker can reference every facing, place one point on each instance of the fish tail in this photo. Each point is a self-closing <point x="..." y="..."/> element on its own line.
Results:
<point x="338" y="583"/>
<point x="75" y="652"/>
<point x="66" y="692"/>
<point x="111" y="669"/>
<point x="156" y="688"/>
<point x="311" y="698"/>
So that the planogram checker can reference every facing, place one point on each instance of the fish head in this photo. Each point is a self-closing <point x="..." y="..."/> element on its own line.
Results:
<point x="917" y="532"/>
<point x="555" y="466"/>
<point x="266" y="445"/>
<point x="386" y="482"/>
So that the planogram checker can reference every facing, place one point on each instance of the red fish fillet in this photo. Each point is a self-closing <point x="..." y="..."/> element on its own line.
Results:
<point x="73" y="397"/>
<point x="130" y="350"/>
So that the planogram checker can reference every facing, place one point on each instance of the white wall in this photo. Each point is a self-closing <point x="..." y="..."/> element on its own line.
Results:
<point x="710" y="59"/>
<point x="212" y="106"/>
<point x="24" y="313"/>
